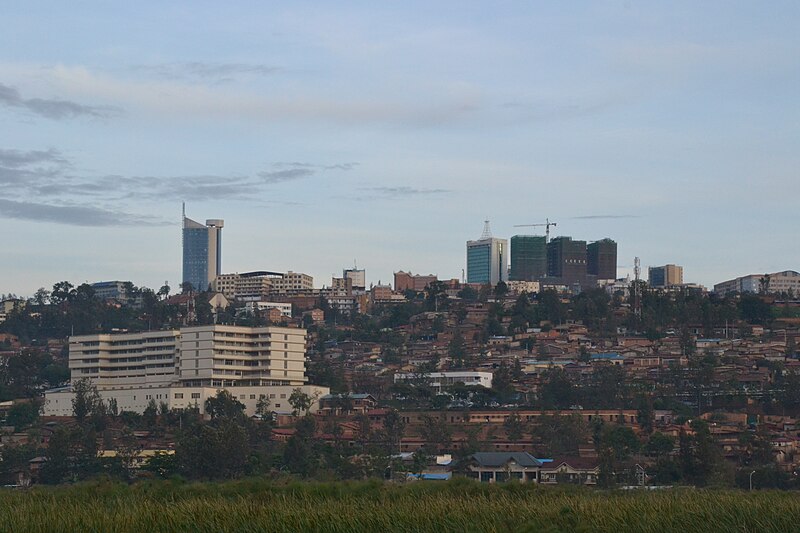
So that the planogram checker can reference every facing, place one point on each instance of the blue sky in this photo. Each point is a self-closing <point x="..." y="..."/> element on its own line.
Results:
<point x="386" y="133"/>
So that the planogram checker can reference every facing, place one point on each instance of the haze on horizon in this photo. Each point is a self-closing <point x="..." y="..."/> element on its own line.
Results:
<point x="386" y="134"/>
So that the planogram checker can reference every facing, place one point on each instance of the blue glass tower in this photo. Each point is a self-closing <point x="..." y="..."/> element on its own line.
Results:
<point x="202" y="252"/>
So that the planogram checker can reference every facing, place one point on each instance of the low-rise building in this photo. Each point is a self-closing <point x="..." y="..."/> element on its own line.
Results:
<point x="439" y="381"/>
<point x="497" y="467"/>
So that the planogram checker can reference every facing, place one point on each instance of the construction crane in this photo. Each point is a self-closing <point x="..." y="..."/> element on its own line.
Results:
<point x="547" y="225"/>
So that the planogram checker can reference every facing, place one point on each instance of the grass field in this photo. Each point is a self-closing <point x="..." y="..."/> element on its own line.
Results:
<point x="260" y="505"/>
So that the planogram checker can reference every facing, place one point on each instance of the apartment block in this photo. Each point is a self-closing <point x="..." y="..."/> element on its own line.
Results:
<point x="665" y="276"/>
<point x="404" y="281"/>
<point x="178" y="366"/>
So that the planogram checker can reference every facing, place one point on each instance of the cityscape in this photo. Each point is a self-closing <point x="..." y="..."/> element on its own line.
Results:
<point x="438" y="267"/>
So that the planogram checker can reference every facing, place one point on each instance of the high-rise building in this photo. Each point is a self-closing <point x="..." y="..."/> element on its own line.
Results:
<point x="487" y="259"/>
<point x="528" y="257"/>
<point x="566" y="259"/>
<point x="202" y="252"/>
<point x="359" y="278"/>
<point x="665" y="276"/>
<point x="601" y="259"/>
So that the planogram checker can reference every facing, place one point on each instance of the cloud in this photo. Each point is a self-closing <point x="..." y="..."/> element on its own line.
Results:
<point x="209" y="71"/>
<point x="74" y="215"/>
<point x="52" y="109"/>
<point x="30" y="177"/>
<point x="20" y="158"/>
<point x="275" y="104"/>
<point x="600" y="217"/>
<point x="280" y="176"/>
<point x="406" y="191"/>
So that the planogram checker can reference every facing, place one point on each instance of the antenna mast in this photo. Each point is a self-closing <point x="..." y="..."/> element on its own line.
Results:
<point x="637" y="289"/>
<point x="487" y="231"/>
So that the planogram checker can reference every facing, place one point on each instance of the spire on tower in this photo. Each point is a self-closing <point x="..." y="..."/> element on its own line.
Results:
<point x="487" y="231"/>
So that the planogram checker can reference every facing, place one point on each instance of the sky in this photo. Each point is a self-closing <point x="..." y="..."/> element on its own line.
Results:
<point x="383" y="134"/>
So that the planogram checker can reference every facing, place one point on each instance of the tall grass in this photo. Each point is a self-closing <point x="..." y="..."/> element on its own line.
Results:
<point x="259" y="505"/>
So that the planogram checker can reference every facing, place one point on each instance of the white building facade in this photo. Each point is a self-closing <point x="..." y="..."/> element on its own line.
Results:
<point x="182" y="368"/>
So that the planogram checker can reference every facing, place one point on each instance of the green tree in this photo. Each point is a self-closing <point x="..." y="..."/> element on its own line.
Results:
<point x="514" y="427"/>
<point x="300" y="402"/>
<point x="23" y="414"/>
<point x="86" y="400"/>
<point x="224" y="405"/>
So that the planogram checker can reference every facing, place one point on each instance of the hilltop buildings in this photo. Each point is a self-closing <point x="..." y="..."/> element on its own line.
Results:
<point x="787" y="281"/>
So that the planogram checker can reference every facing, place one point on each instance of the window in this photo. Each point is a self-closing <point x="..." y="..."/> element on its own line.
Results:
<point x="283" y="396"/>
<point x="242" y="396"/>
<point x="179" y="396"/>
<point x="271" y="396"/>
<point x="252" y="396"/>
<point x="195" y="395"/>
<point x="277" y="405"/>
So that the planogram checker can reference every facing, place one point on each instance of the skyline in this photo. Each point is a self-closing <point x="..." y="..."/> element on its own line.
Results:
<point x="387" y="135"/>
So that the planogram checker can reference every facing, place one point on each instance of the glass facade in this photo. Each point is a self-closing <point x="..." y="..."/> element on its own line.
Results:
<point x="528" y="257"/>
<point x="479" y="261"/>
<point x="195" y="257"/>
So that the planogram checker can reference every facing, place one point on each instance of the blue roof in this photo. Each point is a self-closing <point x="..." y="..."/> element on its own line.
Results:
<point x="352" y="396"/>
<point x="611" y="355"/>
<point x="431" y="477"/>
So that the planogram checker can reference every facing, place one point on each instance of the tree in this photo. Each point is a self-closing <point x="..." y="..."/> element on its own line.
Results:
<point x="645" y="413"/>
<point x="23" y="414"/>
<point x="561" y="435"/>
<point x="659" y="445"/>
<point x="456" y="349"/>
<point x="513" y="426"/>
<point x="86" y="400"/>
<point x="300" y="402"/>
<point x="224" y="405"/>
<point x="300" y="454"/>
<point x="557" y="391"/>
<point x="41" y="297"/>
<point x="263" y="408"/>
<point x="394" y="427"/>
<point x="501" y="289"/>
<point x="216" y="450"/>
<point x="63" y="291"/>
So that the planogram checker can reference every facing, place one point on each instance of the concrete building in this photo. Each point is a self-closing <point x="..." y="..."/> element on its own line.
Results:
<point x="118" y="360"/>
<point x="665" y="276"/>
<point x="285" y="309"/>
<point x="109" y="290"/>
<point x="184" y="367"/>
<point x="487" y="259"/>
<point x="787" y="281"/>
<point x="528" y="257"/>
<point x="247" y="286"/>
<point x="440" y="381"/>
<point x="358" y="277"/>
<point x="601" y="259"/>
<point x="404" y="281"/>
<point x="499" y="467"/>
<point x="566" y="260"/>
<point x="202" y="252"/>
<point x="292" y="283"/>
<point x="518" y="287"/>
